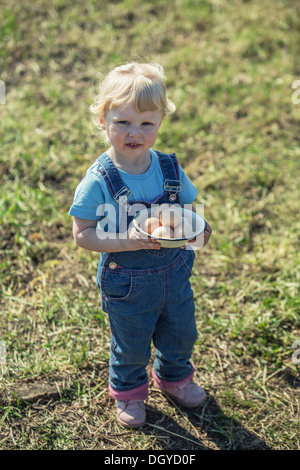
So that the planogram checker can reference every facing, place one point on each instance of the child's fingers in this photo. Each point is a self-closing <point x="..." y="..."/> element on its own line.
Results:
<point x="151" y="244"/>
<point x="203" y="238"/>
<point x="207" y="233"/>
<point x="143" y="241"/>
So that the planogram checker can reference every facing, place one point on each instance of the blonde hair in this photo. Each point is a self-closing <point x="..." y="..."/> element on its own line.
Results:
<point x="141" y="83"/>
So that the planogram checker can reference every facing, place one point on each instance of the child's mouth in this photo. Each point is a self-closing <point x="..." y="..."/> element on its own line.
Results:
<point x="133" y="145"/>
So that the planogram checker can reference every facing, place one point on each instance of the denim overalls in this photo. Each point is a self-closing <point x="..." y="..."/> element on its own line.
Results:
<point x="148" y="296"/>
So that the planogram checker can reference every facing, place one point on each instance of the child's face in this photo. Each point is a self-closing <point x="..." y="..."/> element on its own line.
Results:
<point x="131" y="133"/>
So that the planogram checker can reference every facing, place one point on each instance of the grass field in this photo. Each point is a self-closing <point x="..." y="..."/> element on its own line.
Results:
<point x="230" y="66"/>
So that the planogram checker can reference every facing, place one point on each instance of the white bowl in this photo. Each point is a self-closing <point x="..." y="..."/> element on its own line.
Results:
<point x="198" y="224"/>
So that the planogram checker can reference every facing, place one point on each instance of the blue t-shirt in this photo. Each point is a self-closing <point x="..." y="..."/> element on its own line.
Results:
<point x="92" y="191"/>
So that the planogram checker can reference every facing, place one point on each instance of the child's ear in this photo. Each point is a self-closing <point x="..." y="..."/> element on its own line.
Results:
<point x="162" y="118"/>
<point x="102" y="123"/>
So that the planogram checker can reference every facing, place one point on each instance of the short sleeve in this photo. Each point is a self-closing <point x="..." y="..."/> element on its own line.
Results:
<point x="188" y="191"/>
<point x="88" y="196"/>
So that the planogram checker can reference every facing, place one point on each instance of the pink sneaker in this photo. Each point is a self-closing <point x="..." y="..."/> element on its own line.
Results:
<point x="131" y="413"/>
<point x="188" y="393"/>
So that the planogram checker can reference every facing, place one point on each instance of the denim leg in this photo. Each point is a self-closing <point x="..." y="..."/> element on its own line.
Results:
<point x="129" y="356"/>
<point x="132" y="326"/>
<point x="176" y="331"/>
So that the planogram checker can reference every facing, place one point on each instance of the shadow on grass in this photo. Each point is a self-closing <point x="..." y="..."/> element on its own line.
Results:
<point x="206" y="428"/>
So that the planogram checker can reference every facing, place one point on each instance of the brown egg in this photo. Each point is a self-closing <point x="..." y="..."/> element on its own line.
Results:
<point x="155" y="211"/>
<point x="163" y="232"/>
<point x="184" y="229"/>
<point x="188" y="229"/>
<point x="151" y="224"/>
<point x="170" y="216"/>
<point x="178" y="232"/>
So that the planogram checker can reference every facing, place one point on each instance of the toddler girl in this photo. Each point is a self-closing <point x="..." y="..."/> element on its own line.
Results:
<point x="145" y="289"/>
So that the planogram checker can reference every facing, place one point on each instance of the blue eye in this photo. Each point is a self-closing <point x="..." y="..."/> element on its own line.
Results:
<point x="123" y="122"/>
<point x="147" y="123"/>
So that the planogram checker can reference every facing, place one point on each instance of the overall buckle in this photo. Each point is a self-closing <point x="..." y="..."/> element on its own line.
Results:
<point x="172" y="186"/>
<point x="122" y="196"/>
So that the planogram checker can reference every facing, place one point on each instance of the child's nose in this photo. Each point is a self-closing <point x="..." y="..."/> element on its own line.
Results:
<point x="134" y="131"/>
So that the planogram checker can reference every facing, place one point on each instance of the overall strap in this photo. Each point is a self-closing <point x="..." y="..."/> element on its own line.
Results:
<point x="170" y="171"/>
<point x="114" y="182"/>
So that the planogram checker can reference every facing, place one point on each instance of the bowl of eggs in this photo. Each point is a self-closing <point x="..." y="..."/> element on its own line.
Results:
<point x="173" y="226"/>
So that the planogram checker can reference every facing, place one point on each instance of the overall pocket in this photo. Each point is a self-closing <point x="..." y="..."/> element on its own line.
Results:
<point x="188" y="257"/>
<point x="116" y="286"/>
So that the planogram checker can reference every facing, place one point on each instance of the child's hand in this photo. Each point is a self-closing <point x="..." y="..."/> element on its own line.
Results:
<point x="137" y="241"/>
<point x="203" y="238"/>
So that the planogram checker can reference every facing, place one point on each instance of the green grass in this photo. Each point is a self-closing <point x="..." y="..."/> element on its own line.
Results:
<point x="230" y="66"/>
